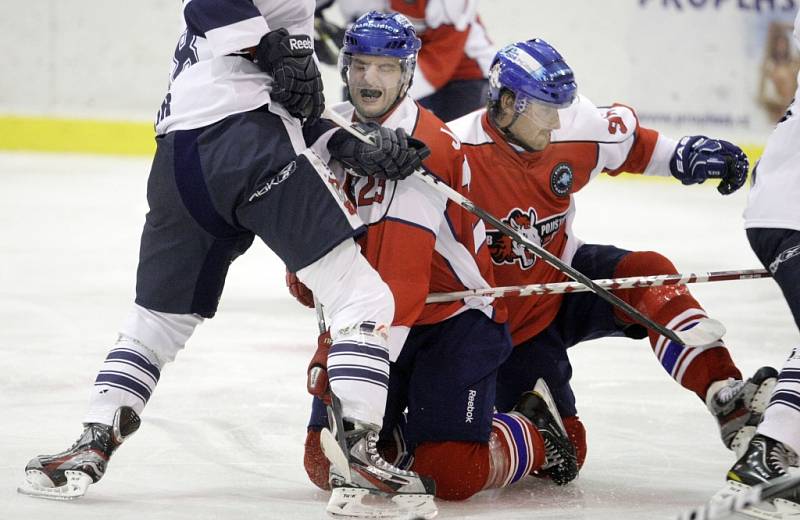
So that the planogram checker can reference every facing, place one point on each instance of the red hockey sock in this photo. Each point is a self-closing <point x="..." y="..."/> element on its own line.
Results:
<point x="461" y="469"/>
<point x="695" y="368"/>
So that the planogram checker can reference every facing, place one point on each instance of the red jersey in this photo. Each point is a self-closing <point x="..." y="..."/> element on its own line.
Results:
<point x="532" y="191"/>
<point x="417" y="240"/>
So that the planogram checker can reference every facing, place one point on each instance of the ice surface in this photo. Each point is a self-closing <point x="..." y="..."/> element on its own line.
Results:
<point x="223" y="436"/>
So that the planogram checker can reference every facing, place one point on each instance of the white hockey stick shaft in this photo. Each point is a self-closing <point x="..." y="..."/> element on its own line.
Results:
<point x="696" y="336"/>
<point x="611" y="284"/>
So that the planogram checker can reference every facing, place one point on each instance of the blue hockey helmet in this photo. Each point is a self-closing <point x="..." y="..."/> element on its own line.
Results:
<point x="382" y="35"/>
<point x="534" y="71"/>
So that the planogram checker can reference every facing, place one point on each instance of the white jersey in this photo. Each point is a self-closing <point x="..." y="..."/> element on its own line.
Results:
<point x="211" y="76"/>
<point x="774" y="200"/>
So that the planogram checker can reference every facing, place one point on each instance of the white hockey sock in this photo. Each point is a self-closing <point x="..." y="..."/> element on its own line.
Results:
<point x="127" y="378"/>
<point x="358" y="371"/>
<point x="782" y="416"/>
<point x="360" y="307"/>
<point x="148" y="340"/>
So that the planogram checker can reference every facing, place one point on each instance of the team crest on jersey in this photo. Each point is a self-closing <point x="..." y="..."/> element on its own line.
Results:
<point x="505" y="250"/>
<point x="561" y="179"/>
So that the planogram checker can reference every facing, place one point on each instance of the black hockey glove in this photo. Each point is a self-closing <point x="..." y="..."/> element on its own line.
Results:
<point x="297" y="85"/>
<point x="698" y="158"/>
<point x="394" y="155"/>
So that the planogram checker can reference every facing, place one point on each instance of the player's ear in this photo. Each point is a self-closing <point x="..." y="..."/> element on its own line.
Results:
<point x="507" y="101"/>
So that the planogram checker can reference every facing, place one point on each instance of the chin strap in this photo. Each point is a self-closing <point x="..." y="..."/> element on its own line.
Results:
<point x="510" y="136"/>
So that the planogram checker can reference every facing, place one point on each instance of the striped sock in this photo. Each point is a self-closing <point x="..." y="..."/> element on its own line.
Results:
<point x="783" y="412"/>
<point x="358" y="371"/>
<point x="127" y="378"/>
<point x="517" y="449"/>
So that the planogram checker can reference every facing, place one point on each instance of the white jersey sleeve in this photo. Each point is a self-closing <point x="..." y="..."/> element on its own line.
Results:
<point x="774" y="196"/>
<point x="211" y="77"/>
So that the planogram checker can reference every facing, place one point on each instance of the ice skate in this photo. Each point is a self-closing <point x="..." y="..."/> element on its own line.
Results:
<point x="67" y="475"/>
<point x="538" y="406"/>
<point x="739" y="406"/>
<point x="358" y="471"/>
<point x="765" y="461"/>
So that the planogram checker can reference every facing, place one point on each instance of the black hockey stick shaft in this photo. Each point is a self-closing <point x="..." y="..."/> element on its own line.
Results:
<point x="534" y="248"/>
<point x="335" y="408"/>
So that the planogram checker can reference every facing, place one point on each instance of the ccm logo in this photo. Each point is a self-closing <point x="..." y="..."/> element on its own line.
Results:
<point x="299" y="45"/>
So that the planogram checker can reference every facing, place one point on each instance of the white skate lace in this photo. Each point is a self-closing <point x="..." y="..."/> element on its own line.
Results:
<point x="781" y="457"/>
<point x="378" y="461"/>
<point x="728" y="393"/>
<point x="552" y="454"/>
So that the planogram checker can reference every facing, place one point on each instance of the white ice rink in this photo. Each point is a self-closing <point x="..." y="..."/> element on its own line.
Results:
<point x="222" y="437"/>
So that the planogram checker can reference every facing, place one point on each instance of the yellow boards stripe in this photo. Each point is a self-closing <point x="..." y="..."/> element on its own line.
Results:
<point x="45" y="134"/>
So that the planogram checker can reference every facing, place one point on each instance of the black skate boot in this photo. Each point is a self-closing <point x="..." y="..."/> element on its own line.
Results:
<point x="562" y="461"/>
<point x="66" y="475"/>
<point x="765" y="461"/>
<point x="360" y="471"/>
<point x="739" y="406"/>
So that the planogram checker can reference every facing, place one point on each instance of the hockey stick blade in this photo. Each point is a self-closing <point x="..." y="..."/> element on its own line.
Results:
<point x="706" y="332"/>
<point x="741" y="504"/>
<point x="333" y="451"/>
<point x="534" y="248"/>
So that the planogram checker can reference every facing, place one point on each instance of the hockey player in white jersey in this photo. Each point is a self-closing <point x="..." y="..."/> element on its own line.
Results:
<point x="772" y="220"/>
<point x="232" y="164"/>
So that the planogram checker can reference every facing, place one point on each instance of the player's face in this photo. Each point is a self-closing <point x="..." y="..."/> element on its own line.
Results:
<point x="534" y="124"/>
<point x="374" y="83"/>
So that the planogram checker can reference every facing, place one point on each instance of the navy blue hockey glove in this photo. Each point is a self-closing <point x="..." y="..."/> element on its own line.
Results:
<point x="394" y="155"/>
<point x="297" y="84"/>
<point x="698" y="158"/>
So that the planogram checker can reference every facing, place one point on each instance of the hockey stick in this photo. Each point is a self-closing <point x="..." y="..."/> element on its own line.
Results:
<point x="334" y="416"/>
<point x="731" y="506"/>
<point x="704" y="333"/>
<point x="611" y="284"/>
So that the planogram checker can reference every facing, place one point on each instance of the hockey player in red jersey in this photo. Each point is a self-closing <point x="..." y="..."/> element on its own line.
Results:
<point x="452" y="67"/>
<point x="445" y="373"/>
<point x="539" y="142"/>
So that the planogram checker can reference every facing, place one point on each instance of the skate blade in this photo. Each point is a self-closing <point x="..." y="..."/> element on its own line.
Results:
<point x="346" y="502"/>
<point x="777" y="509"/>
<point x="77" y="483"/>
<point x="543" y="391"/>
<point x="706" y="332"/>
<point x="333" y="451"/>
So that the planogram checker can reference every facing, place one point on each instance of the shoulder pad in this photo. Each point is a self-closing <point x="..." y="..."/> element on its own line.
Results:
<point x="468" y="128"/>
<point x="583" y="121"/>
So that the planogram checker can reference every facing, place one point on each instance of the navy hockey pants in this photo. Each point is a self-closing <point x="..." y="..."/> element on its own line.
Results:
<point x="582" y="316"/>
<point x="779" y="251"/>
